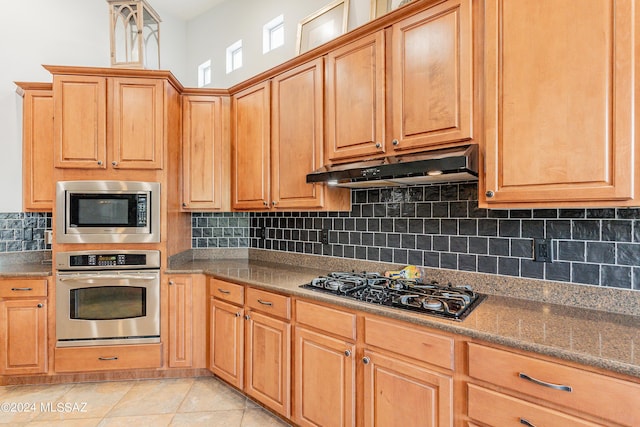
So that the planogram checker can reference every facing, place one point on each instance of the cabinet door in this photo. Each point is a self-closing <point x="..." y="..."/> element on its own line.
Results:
<point x="250" y="125"/>
<point x="227" y="342"/>
<point x="356" y="99"/>
<point x="23" y="336"/>
<point x="180" y="321"/>
<point x="37" y="150"/>
<point x="559" y="104"/>
<point x="268" y="362"/>
<point x="432" y="73"/>
<point x="205" y="171"/>
<point x="324" y="396"/>
<point x="398" y="393"/>
<point x="297" y="136"/>
<point x="137" y="123"/>
<point x="80" y="116"/>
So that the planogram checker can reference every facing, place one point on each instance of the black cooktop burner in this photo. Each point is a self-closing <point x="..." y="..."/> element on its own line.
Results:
<point x="452" y="302"/>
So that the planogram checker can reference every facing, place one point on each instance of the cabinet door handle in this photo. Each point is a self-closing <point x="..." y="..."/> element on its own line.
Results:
<point x="265" y="203"/>
<point x="21" y="289"/>
<point x="171" y="282"/>
<point x="246" y="317"/>
<point x="545" y="384"/>
<point x="378" y="145"/>
<point x="265" y="302"/>
<point x="366" y="360"/>
<point x="108" y="358"/>
<point x="224" y="291"/>
<point x="40" y="305"/>
<point x="395" y="142"/>
<point x="114" y="163"/>
<point x="238" y="314"/>
<point x="489" y="193"/>
<point x="184" y="205"/>
<point x="347" y="353"/>
<point x="526" y="422"/>
<point x="99" y="162"/>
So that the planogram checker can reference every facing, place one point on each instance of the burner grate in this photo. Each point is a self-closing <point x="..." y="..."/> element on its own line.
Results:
<point x="429" y="298"/>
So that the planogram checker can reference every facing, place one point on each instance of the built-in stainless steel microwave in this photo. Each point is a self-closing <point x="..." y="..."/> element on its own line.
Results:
<point x="107" y="212"/>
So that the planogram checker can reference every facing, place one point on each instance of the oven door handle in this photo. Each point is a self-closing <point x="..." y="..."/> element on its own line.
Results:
<point x="106" y="277"/>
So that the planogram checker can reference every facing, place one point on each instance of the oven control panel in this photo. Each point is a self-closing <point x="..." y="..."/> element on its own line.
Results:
<point x="88" y="260"/>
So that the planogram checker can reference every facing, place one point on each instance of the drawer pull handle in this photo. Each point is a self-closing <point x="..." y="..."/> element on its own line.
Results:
<point x="347" y="353"/>
<point x="108" y="358"/>
<point x="526" y="422"/>
<point x="265" y="302"/>
<point x="224" y="291"/>
<point x="21" y="289"/>
<point x="40" y="305"/>
<point x="545" y="384"/>
<point x="366" y="360"/>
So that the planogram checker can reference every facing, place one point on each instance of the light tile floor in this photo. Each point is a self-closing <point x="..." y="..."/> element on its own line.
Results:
<point x="165" y="402"/>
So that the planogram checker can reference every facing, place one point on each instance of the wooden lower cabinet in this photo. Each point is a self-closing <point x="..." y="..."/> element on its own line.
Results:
<point x="23" y="326"/>
<point x="250" y="349"/>
<point x="107" y="358"/>
<point x="405" y="393"/>
<point x="507" y="410"/>
<point x="325" y="379"/>
<point x="226" y="344"/>
<point x="187" y="323"/>
<point x="23" y="336"/>
<point x="520" y="386"/>
<point x="268" y="361"/>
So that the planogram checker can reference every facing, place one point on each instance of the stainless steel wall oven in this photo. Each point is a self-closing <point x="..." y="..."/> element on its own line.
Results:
<point x="107" y="298"/>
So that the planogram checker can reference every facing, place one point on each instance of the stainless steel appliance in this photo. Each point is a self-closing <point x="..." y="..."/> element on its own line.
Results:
<point x="107" y="297"/>
<point x="440" y="165"/>
<point x="107" y="212"/>
<point x="450" y="302"/>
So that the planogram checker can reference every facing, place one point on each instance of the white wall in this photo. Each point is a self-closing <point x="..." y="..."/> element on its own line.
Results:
<point x="212" y="32"/>
<point x="57" y="32"/>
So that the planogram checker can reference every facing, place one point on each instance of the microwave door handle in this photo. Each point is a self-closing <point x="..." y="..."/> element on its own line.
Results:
<point x="106" y="277"/>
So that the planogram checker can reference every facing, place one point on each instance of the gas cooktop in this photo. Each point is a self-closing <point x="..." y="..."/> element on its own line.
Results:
<point x="452" y="302"/>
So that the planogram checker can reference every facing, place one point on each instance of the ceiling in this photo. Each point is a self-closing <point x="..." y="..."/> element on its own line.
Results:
<point x="184" y="9"/>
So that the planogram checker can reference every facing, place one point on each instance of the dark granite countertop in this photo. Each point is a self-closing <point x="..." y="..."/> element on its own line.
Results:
<point x="590" y="337"/>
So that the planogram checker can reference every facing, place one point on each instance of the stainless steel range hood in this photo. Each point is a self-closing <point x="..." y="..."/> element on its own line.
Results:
<point x="443" y="165"/>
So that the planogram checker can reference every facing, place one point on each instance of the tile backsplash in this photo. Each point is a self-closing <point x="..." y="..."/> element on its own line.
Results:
<point x="441" y="226"/>
<point x="24" y="231"/>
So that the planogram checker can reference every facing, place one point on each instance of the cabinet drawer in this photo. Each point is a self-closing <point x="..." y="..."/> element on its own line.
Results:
<point x="268" y="302"/>
<point x="572" y="387"/>
<point x="104" y="358"/>
<point x="23" y="288"/>
<point x="409" y="340"/>
<point x="507" y="410"/>
<point x="230" y="292"/>
<point x="327" y="319"/>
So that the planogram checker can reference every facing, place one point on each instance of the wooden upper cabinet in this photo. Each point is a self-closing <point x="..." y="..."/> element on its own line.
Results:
<point x="559" y="103"/>
<point x="297" y="136"/>
<point x="84" y="107"/>
<point x="204" y="154"/>
<point x="80" y="121"/>
<point x="137" y="123"/>
<point x="250" y="144"/>
<point x="37" y="147"/>
<point x="356" y="99"/>
<point x="432" y="77"/>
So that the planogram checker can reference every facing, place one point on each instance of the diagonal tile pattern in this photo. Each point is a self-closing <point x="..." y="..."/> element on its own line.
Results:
<point x="189" y="402"/>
